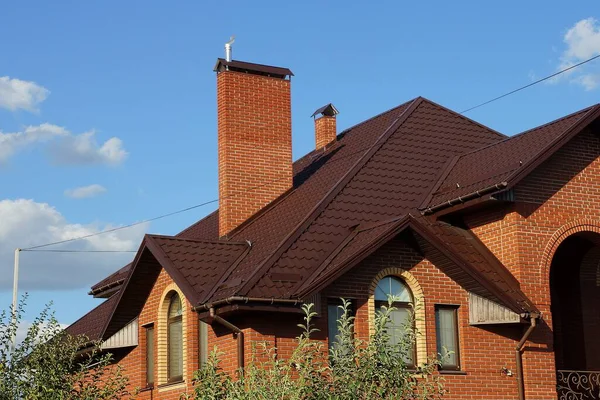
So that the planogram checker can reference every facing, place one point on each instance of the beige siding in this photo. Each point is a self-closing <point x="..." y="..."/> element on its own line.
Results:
<point x="484" y="311"/>
<point x="126" y="337"/>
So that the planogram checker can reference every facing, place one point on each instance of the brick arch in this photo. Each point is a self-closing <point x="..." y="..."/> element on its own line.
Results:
<point x="573" y="227"/>
<point x="161" y="329"/>
<point x="419" y="307"/>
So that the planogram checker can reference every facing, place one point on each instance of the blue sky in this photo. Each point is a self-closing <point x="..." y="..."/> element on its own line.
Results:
<point x="118" y="98"/>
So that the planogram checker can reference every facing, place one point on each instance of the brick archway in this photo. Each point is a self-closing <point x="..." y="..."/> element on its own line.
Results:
<point x="571" y="270"/>
<point x="565" y="231"/>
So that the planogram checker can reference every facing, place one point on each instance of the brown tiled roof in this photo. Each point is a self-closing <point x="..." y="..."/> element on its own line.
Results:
<point x="401" y="158"/>
<point x="196" y="265"/>
<point x="93" y="323"/>
<point x="202" y="265"/>
<point x="113" y="280"/>
<point x="347" y="201"/>
<point x="501" y="162"/>
<point x="206" y="228"/>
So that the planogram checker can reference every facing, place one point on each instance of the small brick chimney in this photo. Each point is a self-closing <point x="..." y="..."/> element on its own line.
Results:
<point x="325" y="125"/>
<point x="254" y="138"/>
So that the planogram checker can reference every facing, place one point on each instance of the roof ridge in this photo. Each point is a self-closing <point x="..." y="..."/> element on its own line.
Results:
<point x="566" y="134"/>
<point x="521" y="134"/>
<point x="582" y="111"/>
<point x="154" y="236"/>
<point x="470" y="120"/>
<point x="329" y="196"/>
<point x="407" y="103"/>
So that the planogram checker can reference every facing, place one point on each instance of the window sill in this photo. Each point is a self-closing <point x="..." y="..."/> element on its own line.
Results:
<point x="451" y="372"/>
<point x="171" y="385"/>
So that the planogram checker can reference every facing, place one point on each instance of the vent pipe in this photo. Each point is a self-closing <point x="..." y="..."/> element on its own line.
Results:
<point x="228" y="48"/>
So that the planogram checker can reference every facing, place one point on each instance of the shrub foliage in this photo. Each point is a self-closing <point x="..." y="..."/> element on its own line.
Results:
<point x="49" y="364"/>
<point x="355" y="369"/>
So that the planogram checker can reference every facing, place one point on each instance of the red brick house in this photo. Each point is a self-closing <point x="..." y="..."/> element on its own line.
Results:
<point x="498" y="238"/>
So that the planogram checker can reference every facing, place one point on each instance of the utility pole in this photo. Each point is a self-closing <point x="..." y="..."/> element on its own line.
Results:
<point x="15" y="296"/>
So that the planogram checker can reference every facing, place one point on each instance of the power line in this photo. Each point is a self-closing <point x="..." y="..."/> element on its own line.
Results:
<point x="78" y="251"/>
<point x="120" y="227"/>
<point x="276" y="180"/>
<point x="32" y="248"/>
<point x="531" y="84"/>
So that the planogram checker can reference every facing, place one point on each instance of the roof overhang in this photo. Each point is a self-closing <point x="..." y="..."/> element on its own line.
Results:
<point x="419" y="226"/>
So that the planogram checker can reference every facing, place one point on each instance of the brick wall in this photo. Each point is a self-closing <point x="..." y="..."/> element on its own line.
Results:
<point x="558" y="199"/>
<point x="524" y="235"/>
<point x="134" y="362"/>
<point x="255" y="144"/>
<point x="483" y="353"/>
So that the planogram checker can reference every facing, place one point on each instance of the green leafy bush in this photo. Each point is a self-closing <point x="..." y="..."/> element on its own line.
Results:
<point x="355" y="369"/>
<point x="48" y="363"/>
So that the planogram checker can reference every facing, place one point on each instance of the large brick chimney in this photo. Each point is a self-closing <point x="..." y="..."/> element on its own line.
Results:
<point x="255" y="138"/>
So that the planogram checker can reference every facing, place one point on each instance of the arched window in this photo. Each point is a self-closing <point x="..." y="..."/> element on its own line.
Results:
<point x="174" y="340"/>
<point x="395" y="289"/>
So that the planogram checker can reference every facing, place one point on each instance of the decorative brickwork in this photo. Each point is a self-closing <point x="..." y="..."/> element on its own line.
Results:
<point x="419" y="307"/>
<point x="161" y="330"/>
<point x="571" y="228"/>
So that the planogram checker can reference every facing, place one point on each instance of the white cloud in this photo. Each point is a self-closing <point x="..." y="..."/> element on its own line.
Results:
<point x="83" y="192"/>
<point x="16" y="94"/>
<point x="27" y="223"/>
<point x="582" y="42"/>
<point x="10" y="143"/>
<point x="24" y="327"/>
<point x="83" y="149"/>
<point x="66" y="148"/>
<point x="588" y="81"/>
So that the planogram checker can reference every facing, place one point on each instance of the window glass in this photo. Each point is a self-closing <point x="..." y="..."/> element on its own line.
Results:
<point x="175" y="306"/>
<point x="334" y="313"/>
<point x="401" y="296"/>
<point x="202" y="344"/>
<point x="175" y="339"/>
<point x="149" y="355"/>
<point x="446" y="330"/>
<point x="392" y="286"/>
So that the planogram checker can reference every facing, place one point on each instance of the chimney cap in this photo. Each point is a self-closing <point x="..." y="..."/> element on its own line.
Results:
<point x="251" y="68"/>
<point x="327" y="110"/>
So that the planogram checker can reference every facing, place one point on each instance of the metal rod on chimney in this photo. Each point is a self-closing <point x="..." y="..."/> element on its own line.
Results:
<point x="228" y="48"/>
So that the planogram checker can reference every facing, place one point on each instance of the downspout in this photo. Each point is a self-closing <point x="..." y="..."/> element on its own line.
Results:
<point x="519" y="354"/>
<point x="239" y="336"/>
